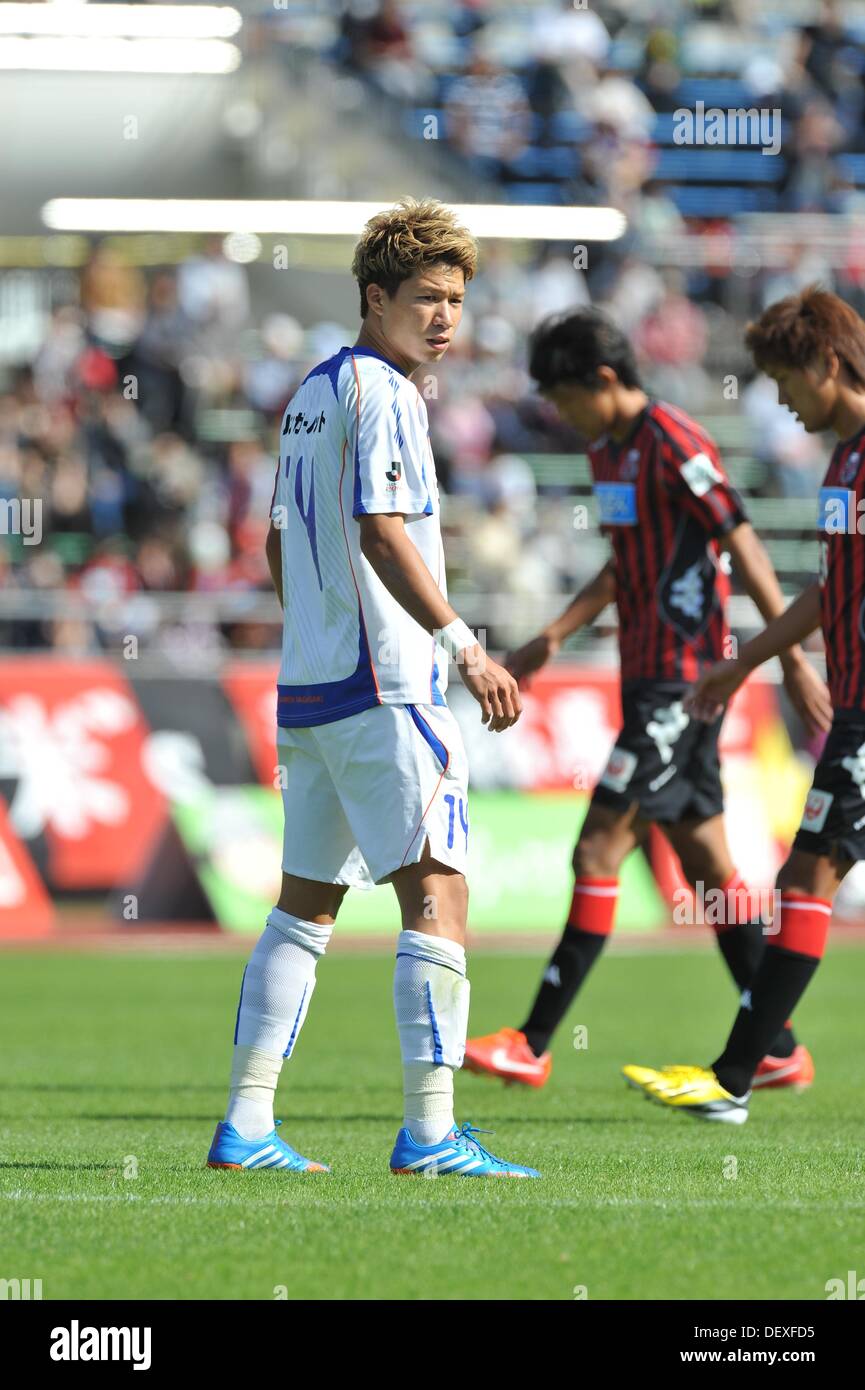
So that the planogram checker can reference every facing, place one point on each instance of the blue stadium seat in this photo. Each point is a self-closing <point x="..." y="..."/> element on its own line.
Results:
<point x="704" y="200"/>
<point x="555" y="161"/>
<point x="568" y="125"/>
<point x="684" y="163"/>
<point x="662" y="130"/>
<point x="714" y="91"/>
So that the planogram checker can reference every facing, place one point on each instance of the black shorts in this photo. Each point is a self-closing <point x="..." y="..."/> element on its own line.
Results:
<point x="834" y="815"/>
<point x="663" y="760"/>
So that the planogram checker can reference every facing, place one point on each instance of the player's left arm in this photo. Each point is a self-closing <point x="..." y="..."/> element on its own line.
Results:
<point x="757" y="576"/>
<point x="755" y="571"/>
<point x="702" y="487"/>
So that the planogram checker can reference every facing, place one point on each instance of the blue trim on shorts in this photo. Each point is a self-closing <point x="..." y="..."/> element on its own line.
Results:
<point x="426" y="733"/>
<point x="437" y="696"/>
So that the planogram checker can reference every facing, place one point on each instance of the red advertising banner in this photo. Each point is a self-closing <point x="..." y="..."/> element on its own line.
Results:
<point x="73" y="739"/>
<point x="90" y="776"/>
<point x="252" y="692"/>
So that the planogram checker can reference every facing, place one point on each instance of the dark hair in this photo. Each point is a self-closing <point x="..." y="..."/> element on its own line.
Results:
<point x="571" y="347"/>
<point x="798" y="330"/>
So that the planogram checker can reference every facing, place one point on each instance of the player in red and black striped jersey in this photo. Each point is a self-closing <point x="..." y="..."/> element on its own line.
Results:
<point x="813" y="345"/>
<point x="669" y="511"/>
<point x="842" y="573"/>
<point x="665" y="504"/>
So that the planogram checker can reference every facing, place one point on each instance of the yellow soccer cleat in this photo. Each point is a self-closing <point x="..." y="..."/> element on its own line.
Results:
<point x="694" y="1090"/>
<point x="639" y="1076"/>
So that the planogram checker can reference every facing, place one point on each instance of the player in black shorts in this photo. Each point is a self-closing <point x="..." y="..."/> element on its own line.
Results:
<point x="813" y="346"/>
<point x="668" y="509"/>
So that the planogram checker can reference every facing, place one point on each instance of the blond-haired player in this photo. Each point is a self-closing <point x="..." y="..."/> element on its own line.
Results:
<point x="374" y="772"/>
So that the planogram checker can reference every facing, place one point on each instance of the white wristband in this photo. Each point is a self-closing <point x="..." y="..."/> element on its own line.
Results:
<point x="456" y="637"/>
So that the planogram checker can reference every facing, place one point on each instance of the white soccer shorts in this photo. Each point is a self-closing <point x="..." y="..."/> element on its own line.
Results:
<point x="362" y="795"/>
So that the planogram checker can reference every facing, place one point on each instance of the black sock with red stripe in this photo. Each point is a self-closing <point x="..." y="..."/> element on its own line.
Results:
<point x="742" y="945"/>
<point x="589" y="924"/>
<point x="789" y="961"/>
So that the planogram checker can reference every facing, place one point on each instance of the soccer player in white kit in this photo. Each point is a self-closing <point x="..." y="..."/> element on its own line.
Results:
<point x="372" y="766"/>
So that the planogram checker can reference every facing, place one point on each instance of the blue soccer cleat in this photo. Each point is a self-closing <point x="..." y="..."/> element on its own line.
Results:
<point x="457" y="1153"/>
<point x="229" y="1150"/>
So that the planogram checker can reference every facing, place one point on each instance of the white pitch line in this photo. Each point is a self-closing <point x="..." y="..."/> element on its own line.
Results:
<point x="732" y="1204"/>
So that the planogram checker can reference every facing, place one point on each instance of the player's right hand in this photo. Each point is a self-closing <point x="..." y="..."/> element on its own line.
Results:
<point x="492" y="686"/>
<point x="529" y="658"/>
<point x="714" y="688"/>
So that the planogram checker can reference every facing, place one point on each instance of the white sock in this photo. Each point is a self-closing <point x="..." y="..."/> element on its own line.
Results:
<point x="274" y="998"/>
<point x="254" y="1076"/>
<point x="431" y="998"/>
<point x="428" y="1101"/>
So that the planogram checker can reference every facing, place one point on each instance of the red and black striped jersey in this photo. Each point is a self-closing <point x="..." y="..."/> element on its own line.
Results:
<point x="842" y="572"/>
<point x="665" y="501"/>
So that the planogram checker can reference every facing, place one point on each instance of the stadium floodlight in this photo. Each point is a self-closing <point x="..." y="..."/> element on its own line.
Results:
<point x="320" y="218"/>
<point x="212" y="56"/>
<point x="79" y="20"/>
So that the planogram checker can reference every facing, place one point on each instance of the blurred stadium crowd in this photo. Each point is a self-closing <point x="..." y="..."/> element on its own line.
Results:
<point x="112" y="422"/>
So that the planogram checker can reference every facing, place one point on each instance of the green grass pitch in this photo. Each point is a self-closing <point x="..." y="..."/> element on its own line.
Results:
<point x="114" y="1074"/>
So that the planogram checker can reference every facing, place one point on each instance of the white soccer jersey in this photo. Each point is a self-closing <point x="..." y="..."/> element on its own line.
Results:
<point x="355" y="440"/>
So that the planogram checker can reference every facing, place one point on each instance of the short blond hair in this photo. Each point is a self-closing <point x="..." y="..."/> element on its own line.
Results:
<point x="409" y="237"/>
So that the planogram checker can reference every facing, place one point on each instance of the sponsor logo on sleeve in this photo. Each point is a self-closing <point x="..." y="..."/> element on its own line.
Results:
<point x="816" y="810"/>
<point x="619" y="769"/>
<point x="701" y="474"/>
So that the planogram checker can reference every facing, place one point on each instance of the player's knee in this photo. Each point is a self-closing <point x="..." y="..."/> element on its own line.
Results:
<point x="458" y="901"/>
<point x="597" y="856"/>
<point x="457" y="898"/>
<point x="705" y="868"/>
<point x="310" y="900"/>
<point x="442" y="903"/>
<point x="796" y="877"/>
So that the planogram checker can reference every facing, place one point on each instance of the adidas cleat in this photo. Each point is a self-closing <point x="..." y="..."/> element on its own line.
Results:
<point x="796" y="1071"/>
<point x="458" y="1153"/>
<point x="694" y="1090"/>
<point x="507" y="1055"/>
<point x="229" y="1150"/>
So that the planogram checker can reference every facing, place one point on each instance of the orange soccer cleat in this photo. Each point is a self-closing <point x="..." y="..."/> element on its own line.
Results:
<point x="506" y="1054"/>
<point x="796" y="1070"/>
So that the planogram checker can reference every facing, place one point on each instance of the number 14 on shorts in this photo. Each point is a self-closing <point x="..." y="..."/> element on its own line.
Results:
<point x="452" y="804"/>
